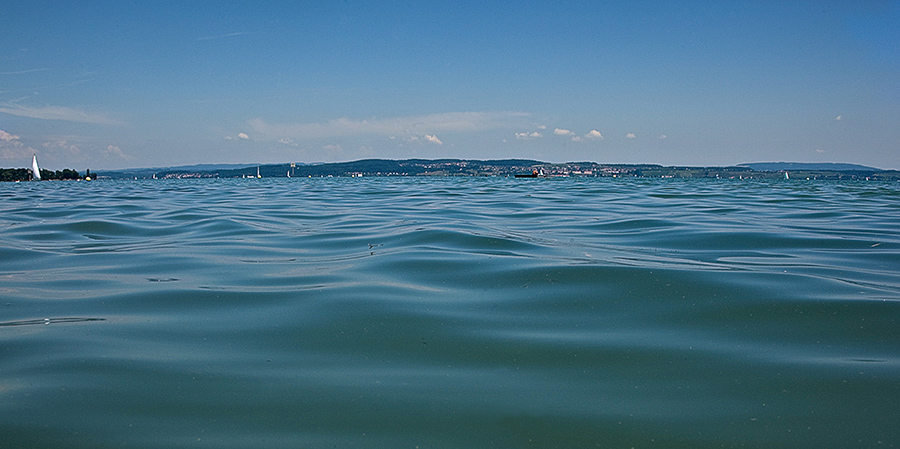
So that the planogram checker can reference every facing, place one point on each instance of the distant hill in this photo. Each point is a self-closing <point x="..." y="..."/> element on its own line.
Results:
<point x="368" y="167"/>
<point x="829" y="166"/>
<point x="389" y="167"/>
<point x="150" y="171"/>
<point x="187" y="168"/>
<point x="507" y="167"/>
<point x="208" y="167"/>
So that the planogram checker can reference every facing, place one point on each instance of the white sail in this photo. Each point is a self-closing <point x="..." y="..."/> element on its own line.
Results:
<point x="34" y="168"/>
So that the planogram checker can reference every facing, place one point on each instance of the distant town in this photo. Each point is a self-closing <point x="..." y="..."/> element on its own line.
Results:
<point x="483" y="168"/>
<point x="511" y="168"/>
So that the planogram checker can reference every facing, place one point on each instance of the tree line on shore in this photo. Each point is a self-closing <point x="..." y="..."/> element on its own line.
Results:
<point x="24" y="174"/>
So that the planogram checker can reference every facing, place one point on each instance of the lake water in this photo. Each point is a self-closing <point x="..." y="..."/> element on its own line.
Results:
<point x="450" y="313"/>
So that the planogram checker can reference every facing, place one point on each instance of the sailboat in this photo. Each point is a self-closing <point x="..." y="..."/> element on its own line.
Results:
<point x="34" y="168"/>
<point x="257" y="173"/>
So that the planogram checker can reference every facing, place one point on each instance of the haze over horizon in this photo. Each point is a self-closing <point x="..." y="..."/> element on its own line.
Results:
<point x="107" y="85"/>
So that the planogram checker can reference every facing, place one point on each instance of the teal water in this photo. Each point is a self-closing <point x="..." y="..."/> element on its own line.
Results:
<point x="449" y="313"/>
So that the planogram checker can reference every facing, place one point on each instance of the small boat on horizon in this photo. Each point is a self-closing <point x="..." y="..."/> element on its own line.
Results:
<point x="533" y="174"/>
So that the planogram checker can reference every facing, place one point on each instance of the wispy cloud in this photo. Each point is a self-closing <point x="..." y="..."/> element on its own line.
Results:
<point x="220" y="36"/>
<point x="630" y="136"/>
<point x="433" y="139"/>
<point x="57" y="113"/>
<point x="41" y="87"/>
<point x="23" y="72"/>
<point x="333" y="149"/>
<point x="431" y="124"/>
<point x="563" y="132"/>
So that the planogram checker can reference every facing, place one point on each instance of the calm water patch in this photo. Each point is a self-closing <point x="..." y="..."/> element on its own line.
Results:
<point x="450" y="312"/>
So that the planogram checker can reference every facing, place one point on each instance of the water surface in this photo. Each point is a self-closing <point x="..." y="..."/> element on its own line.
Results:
<point x="450" y="312"/>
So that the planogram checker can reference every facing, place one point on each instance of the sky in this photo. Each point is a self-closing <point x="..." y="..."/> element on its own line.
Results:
<point x="106" y="85"/>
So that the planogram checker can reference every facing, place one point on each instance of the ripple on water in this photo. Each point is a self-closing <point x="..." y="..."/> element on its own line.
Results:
<point x="447" y="312"/>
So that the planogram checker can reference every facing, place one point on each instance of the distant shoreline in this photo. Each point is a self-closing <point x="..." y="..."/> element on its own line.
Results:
<point x="25" y="174"/>
<point x="511" y="167"/>
<point x="505" y="168"/>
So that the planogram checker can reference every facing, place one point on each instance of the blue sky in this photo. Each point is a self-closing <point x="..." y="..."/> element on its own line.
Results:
<point x="104" y="85"/>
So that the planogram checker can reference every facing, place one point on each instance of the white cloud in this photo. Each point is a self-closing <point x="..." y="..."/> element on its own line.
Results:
<point x="57" y="113"/>
<point x="433" y="139"/>
<point x="64" y="145"/>
<point x="839" y="117"/>
<point x="114" y="150"/>
<point x="528" y="136"/>
<point x="5" y="136"/>
<point x="662" y="137"/>
<point x="594" y="135"/>
<point x="16" y="152"/>
<point x="61" y="152"/>
<point x="12" y="149"/>
<point x="630" y="136"/>
<point x="243" y="136"/>
<point x="563" y="132"/>
<point x="542" y="127"/>
<point x="419" y="125"/>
